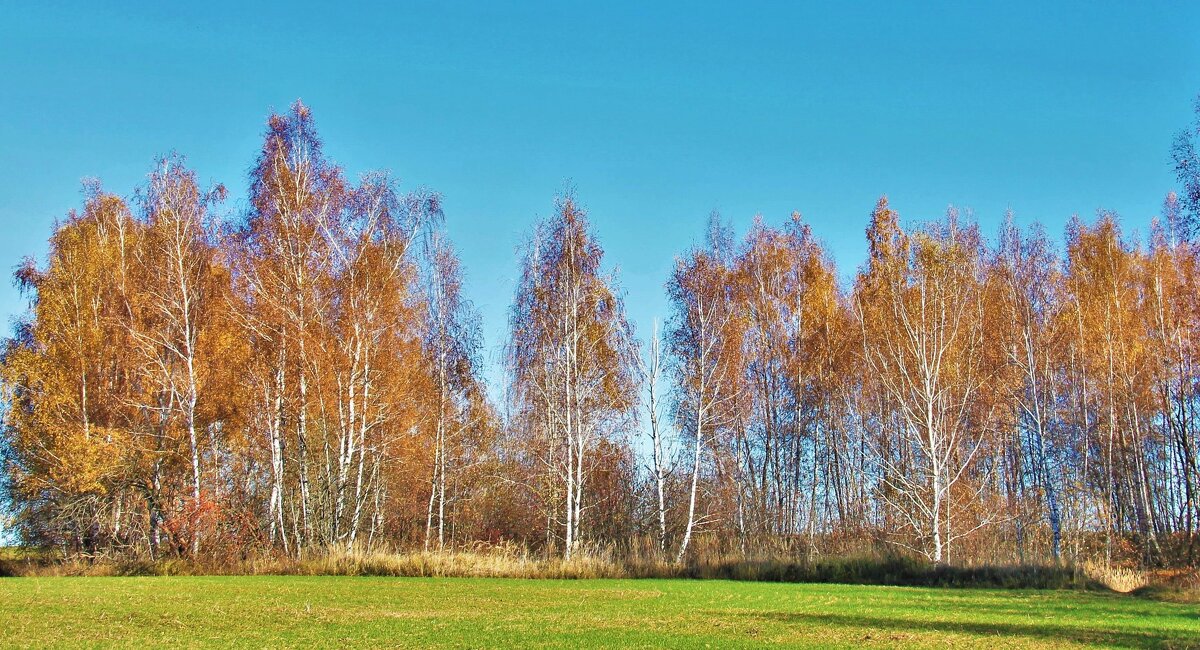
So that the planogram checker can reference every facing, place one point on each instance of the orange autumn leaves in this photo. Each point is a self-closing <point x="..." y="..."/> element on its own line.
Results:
<point x="307" y="375"/>
<point x="571" y="364"/>
<point x="957" y="396"/>
<point x="184" y="384"/>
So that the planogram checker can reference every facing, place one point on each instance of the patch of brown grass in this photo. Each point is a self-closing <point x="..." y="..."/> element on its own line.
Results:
<point x="1120" y="579"/>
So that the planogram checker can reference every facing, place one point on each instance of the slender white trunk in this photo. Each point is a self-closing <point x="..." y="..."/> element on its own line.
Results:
<point x="691" y="518"/>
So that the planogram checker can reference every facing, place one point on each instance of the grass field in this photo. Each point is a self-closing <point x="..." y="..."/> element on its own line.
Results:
<point x="258" y="611"/>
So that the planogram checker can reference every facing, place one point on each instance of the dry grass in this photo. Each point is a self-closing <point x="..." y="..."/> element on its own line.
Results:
<point x="503" y="561"/>
<point x="1119" y="579"/>
<point x="1176" y="585"/>
<point x="494" y="562"/>
<point x="634" y="560"/>
<point x="514" y="561"/>
<point x="1180" y="586"/>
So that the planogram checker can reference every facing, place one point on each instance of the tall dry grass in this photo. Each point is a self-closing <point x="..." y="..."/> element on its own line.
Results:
<point x="639" y="558"/>
<point x="1117" y="578"/>
<point x="598" y="561"/>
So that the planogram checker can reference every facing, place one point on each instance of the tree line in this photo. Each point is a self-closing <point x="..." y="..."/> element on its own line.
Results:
<point x="307" y="376"/>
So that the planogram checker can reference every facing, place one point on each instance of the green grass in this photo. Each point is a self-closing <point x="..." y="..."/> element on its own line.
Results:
<point x="258" y="611"/>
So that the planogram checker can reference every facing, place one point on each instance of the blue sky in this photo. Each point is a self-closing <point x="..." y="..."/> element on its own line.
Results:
<point x="656" y="114"/>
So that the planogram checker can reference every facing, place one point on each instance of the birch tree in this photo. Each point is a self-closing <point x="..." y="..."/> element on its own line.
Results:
<point x="180" y="289"/>
<point x="1030" y="285"/>
<point x="651" y="370"/>
<point x="704" y="338"/>
<point x="571" y="356"/>
<point x="919" y="302"/>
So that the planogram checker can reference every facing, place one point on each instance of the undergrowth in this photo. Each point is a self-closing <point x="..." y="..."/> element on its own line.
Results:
<point x="608" y="561"/>
<point x="512" y="561"/>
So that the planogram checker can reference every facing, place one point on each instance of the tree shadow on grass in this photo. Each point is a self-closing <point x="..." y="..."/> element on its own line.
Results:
<point x="1047" y="632"/>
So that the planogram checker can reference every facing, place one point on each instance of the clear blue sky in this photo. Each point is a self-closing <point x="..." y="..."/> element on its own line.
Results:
<point x="658" y="114"/>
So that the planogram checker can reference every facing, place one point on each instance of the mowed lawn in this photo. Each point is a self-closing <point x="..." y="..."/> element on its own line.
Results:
<point x="278" y="611"/>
